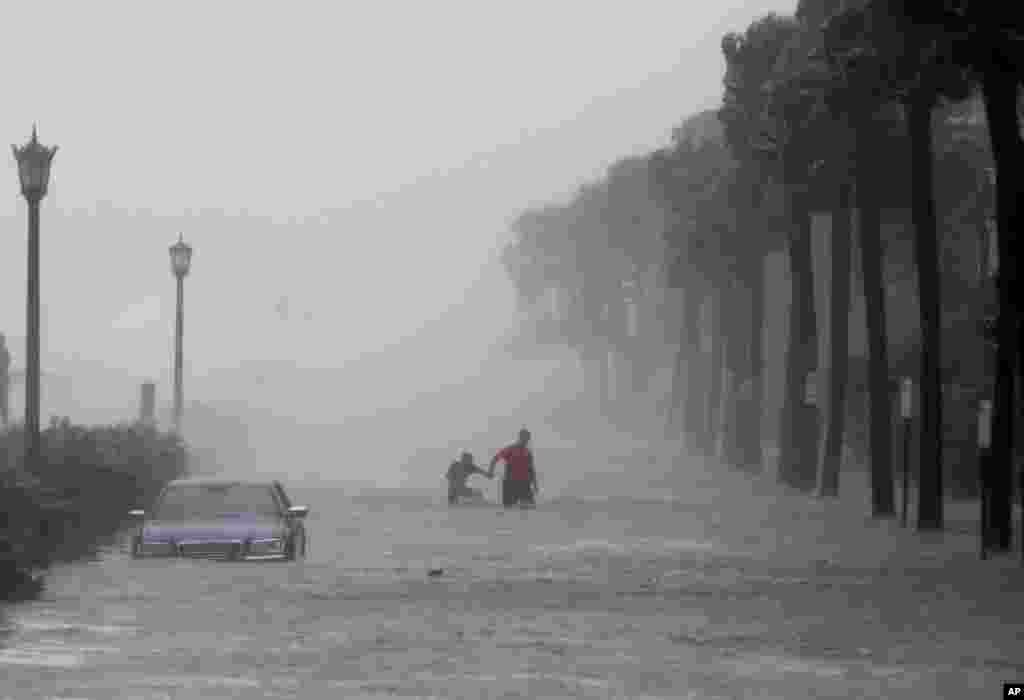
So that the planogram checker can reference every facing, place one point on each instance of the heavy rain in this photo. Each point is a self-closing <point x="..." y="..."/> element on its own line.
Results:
<point x="534" y="350"/>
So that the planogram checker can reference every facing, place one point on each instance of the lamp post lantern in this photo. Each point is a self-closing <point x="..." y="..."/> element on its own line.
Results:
<point x="34" y="173"/>
<point x="181" y="261"/>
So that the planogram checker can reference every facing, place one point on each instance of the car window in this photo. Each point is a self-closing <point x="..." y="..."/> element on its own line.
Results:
<point x="211" y="501"/>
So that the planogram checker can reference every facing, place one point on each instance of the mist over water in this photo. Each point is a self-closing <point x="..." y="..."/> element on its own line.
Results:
<point x="405" y="434"/>
<point x="391" y="418"/>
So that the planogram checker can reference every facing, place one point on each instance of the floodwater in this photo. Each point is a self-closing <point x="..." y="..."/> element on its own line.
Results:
<point x="577" y="599"/>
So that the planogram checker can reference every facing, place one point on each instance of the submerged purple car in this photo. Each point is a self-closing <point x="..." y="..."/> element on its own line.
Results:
<point x="232" y="520"/>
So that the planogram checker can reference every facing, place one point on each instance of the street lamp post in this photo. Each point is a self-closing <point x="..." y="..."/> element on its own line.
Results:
<point x="34" y="172"/>
<point x="181" y="261"/>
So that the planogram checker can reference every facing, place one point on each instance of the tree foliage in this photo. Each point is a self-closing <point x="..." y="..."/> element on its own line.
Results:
<point x="806" y="98"/>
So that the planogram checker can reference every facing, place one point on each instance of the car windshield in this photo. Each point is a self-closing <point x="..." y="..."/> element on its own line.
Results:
<point x="214" y="501"/>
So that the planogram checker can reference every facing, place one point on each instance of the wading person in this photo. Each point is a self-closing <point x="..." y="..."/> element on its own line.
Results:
<point x="519" y="485"/>
<point x="459" y="471"/>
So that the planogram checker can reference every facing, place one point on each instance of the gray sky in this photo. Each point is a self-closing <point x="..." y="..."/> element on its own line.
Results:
<point x="361" y="159"/>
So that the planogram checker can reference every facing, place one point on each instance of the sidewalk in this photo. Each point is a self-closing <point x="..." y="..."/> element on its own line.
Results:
<point x="755" y="510"/>
<point x="855" y="492"/>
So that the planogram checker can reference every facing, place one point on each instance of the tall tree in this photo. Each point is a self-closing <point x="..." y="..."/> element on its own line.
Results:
<point x="988" y="39"/>
<point x="750" y="58"/>
<point x="833" y="179"/>
<point x="667" y="170"/>
<point x="861" y="91"/>
<point x="635" y="222"/>
<point x="920" y="72"/>
<point x="788" y="117"/>
<point x="832" y="443"/>
<point x="690" y="179"/>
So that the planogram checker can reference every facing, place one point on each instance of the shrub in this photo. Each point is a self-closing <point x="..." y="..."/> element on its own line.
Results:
<point x="78" y="495"/>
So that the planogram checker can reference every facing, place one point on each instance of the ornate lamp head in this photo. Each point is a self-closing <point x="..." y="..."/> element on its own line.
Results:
<point x="181" y="258"/>
<point x="34" y="166"/>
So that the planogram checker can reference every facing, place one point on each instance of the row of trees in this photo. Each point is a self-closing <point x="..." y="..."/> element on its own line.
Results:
<point x="851" y="107"/>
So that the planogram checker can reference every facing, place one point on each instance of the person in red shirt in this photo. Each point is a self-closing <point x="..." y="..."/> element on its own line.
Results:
<point x="519" y="485"/>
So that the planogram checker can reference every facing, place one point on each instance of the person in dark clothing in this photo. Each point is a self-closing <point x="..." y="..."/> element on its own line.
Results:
<point x="459" y="471"/>
<point x="519" y="485"/>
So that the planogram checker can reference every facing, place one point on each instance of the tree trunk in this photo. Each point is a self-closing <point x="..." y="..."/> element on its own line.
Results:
<point x="726" y="427"/>
<point x="747" y="401"/>
<point x="673" y="424"/>
<point x="755" y="403"/>
<point x="839" y="345"/>
<point x="736" y="349"/>
<point x="1000" y="93"/>
<point x="639" y="345"/>
<point x="799" y="427"/>
<point x="604" y="381"/>
<point x="753" y="399"/>
<point x="695" y="417"/>
<point x="880" y="398"/>
<point x="931" y="493"/>
<point x="591" y="325"/>
<point x="601" y="361"/>
<point x="676" y="393"/>
<point x="715" y="367"/>
<point x="618" y="362"/>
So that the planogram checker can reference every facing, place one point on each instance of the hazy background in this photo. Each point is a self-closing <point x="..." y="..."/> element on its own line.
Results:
<point x="346" y="173"/>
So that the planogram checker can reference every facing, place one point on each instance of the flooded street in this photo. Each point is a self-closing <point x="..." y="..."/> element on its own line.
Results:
<point x="595" y="599"/>
<point x="276" y="279"/>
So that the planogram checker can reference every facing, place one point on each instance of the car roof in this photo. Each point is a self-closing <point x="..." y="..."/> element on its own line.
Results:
<point x="220" y="482"/>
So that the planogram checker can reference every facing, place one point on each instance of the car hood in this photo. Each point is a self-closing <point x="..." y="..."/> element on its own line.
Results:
<point x="213" y="530"/>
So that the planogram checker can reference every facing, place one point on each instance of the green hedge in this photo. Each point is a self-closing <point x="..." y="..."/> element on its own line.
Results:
<point x="78" y="496"/>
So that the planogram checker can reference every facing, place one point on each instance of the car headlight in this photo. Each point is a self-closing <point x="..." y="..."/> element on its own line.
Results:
<point x="264" y="547"/>
<point x="157" y="548"/>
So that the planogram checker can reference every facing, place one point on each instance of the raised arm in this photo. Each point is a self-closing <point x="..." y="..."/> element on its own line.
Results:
<point x="494" y="460"/>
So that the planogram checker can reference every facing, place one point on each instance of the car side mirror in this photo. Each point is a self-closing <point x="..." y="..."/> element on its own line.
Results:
<point x="137" y="513"/>
<point x="298" y="511"/>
